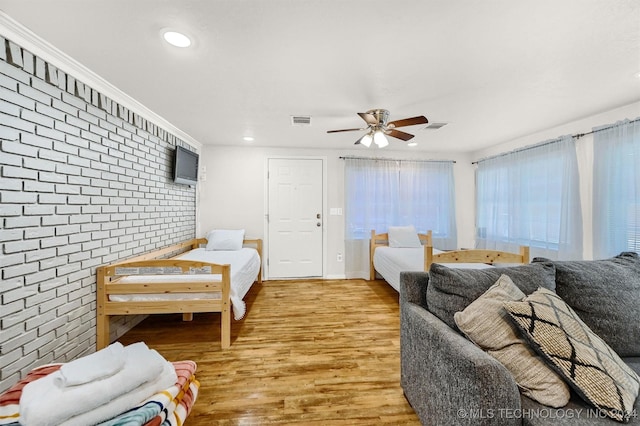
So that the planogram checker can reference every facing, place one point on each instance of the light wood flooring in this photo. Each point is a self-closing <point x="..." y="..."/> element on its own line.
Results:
<point x="320" y="352"/>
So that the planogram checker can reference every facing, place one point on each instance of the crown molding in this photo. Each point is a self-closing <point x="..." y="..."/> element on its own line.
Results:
<point x="25" y="38"/>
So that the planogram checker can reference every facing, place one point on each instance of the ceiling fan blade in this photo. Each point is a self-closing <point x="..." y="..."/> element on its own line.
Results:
<point x="399" y="134"/>
<point x="344" y="130"/>
<point x="369" y="118"/>
<point x="421" y="119"/>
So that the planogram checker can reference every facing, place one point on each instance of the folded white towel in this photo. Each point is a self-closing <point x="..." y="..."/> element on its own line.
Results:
<point x="126" y="402"/>
<point x="43" y="403"/>
<point x="104" y="363"/>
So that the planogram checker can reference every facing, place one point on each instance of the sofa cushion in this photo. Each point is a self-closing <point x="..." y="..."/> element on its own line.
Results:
<point x="486" y="323"/>
<point x="606" y="296"/>
<point x="450" y="290"/>
<point x="585" y="361"/>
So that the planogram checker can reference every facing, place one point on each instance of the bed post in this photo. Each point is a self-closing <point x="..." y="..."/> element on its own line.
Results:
<point x="225" y="322"/>
<point x="102" y="320"/>
<point x="524" y="252"/>
<point x="428" y="256"/>
<point x="372" y="244"/>
<point x="259" y="244"/>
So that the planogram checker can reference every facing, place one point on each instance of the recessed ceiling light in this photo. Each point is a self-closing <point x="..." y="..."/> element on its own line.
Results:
<point x="248" y="138"/>
<point x="176" y="39"/>
<point x="412" y="144"/>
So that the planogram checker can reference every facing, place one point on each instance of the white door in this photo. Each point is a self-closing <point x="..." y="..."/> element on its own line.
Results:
<point x="295" y="219"/>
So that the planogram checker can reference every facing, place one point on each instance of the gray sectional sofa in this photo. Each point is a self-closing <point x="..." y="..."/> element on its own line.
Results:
<point x="448" y="380"/>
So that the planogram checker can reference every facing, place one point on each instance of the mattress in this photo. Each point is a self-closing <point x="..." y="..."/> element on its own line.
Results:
<point x="245" y="265"/>
<point x="390" y="261"/>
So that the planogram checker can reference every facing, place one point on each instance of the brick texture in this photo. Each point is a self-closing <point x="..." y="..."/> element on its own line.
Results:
<point x="84" y="182"/>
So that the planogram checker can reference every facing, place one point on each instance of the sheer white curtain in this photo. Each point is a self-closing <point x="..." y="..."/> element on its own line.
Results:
<point x="427" y="201"/>
<point x="531" y="197"/>
<point x="383" y="193"/>
<point x="616" y="189"/>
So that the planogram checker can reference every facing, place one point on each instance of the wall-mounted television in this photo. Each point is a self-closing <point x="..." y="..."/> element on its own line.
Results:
<point x="185" y="166"/>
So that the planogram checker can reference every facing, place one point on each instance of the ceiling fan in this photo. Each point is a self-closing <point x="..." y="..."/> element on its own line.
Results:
<point x="378" y="125"/>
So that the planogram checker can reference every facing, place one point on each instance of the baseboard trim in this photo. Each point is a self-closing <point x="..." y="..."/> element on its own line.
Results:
<point x="336" y="277"/>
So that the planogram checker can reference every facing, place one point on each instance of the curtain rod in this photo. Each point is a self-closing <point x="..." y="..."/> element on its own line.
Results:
<point x="396" y="159"/>
<point x="549" y="142"/>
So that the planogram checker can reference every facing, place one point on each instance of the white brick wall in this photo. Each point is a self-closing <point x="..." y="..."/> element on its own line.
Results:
<point x="83" y="182"/>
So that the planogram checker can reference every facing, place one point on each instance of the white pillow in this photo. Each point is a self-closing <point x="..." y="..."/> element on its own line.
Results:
<point x="403" y="236"/>
<point x="225" y="239"/>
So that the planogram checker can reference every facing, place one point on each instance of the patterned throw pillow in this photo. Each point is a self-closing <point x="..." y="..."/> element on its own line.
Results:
<point x="585" y="361"/>
<point x="486" y="323"/>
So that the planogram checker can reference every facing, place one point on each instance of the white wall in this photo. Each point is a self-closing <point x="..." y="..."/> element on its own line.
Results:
<point x="233" y="194"/>
<point x="584" y="148"/>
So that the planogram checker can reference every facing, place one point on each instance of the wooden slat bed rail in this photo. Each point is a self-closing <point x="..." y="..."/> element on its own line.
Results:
<point x="475" y="256"/>
<point x="175" y="248"/>
<point x="163" y="288"/>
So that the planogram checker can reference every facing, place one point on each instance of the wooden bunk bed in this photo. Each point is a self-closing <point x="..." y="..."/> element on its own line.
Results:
<point x="174" y="285"/>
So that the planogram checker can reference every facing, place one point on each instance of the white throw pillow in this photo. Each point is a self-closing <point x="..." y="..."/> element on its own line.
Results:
<point x="403" y="236"/>
<point x="225" y="239"/>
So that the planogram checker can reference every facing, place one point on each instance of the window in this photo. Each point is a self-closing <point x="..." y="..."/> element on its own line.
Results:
<point x="616" y="189"/>
<point x="531" y="197"/>
<point x="382" y="193"/>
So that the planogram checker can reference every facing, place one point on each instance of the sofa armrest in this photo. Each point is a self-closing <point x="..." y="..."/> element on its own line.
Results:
<point x="413" y="287"/>
<point x="447" y="379"/>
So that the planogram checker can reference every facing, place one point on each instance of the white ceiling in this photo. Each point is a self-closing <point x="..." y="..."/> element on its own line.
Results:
<point x="494" y="70"/>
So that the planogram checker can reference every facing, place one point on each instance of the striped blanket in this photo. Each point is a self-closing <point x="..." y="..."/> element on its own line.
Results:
<point x="167" y="408"/>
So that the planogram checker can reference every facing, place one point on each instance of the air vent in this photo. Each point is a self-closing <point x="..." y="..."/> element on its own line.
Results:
<point x="435" y="126"/>
<point x="300" y="120"/>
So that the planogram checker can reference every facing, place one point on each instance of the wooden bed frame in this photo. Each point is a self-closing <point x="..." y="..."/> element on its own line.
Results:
<point x="108" y="278"/>
<point x="382" y="240"/>
<point x="455" y="256"/>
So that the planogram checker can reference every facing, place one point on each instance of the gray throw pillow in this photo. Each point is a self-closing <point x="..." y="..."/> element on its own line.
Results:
<point x="606" y="296"/>
<point x="451" y="290"/>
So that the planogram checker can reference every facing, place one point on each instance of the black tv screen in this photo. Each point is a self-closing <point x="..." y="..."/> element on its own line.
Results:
<point x="185" y="166"/>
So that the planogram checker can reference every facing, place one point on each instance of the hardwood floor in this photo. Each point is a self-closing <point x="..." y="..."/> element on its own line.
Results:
<point x="307" y="352"/>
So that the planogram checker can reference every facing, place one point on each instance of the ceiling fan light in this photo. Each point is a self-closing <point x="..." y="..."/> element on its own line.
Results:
<point x="380" y="139"/>
<point x="366" y="140"/>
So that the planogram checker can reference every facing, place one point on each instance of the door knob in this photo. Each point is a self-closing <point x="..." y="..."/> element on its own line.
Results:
<point x="318" y="224"/>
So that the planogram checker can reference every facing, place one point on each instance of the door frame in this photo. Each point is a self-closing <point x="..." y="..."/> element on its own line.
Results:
<point x="265" y="250"/>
